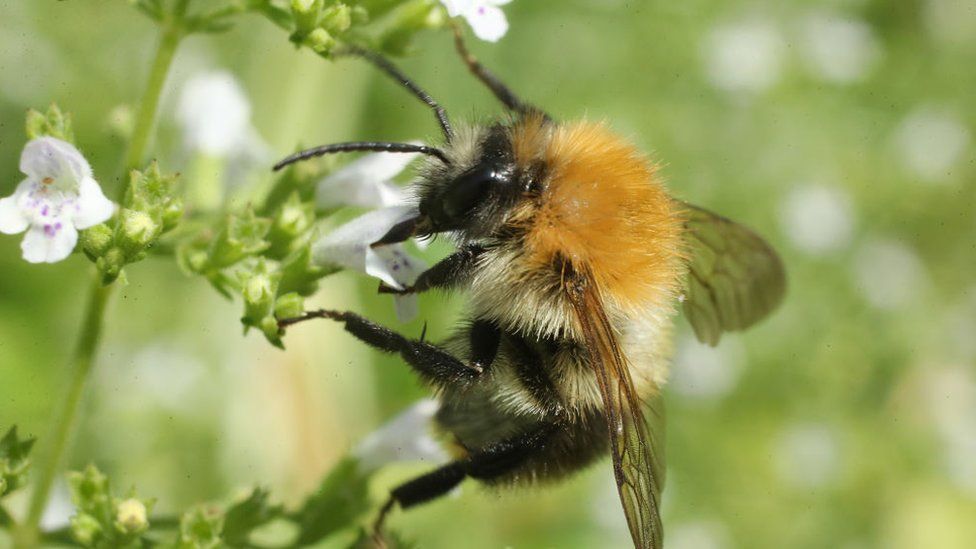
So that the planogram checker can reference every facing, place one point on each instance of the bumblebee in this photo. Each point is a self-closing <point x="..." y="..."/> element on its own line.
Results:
<point x="575" y="258"/>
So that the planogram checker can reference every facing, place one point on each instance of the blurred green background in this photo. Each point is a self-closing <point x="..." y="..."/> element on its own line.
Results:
<point x="842" y="130"/>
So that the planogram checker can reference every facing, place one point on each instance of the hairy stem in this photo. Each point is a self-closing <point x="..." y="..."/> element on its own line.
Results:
<point x="65" y="414"/>
<point x="146" y="117"/>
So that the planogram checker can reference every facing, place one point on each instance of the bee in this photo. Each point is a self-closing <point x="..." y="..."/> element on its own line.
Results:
<point x="575" y="258"/>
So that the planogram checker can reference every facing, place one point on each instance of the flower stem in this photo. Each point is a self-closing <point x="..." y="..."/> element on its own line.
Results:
<point x="28" y="534"/>
<point x="146" y="117"/>
<point x="81" y="364"/>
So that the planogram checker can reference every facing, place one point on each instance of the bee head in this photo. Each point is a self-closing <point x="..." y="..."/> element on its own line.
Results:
<point x="471" y="194"/>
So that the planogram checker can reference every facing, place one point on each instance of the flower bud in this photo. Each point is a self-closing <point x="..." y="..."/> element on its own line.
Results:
<point x="321" y="41"/>
<point x="96" y="240"/>
<point x="138" y="230"/>
<point x="85" y="529"/>
<point x="337" y="18"/>
<point x="289" y="305"/>
<point x="131" y="516"/>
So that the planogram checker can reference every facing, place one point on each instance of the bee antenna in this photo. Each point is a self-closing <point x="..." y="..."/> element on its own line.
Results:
<point x="356" y="146"/>
<point x="395" y="73"/>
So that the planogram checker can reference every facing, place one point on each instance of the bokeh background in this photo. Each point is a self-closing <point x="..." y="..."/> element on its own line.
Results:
<point x="843" y="130"/>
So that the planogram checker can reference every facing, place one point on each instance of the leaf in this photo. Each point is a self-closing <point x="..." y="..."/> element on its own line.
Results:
<point x="342" y="498"/>
<point x="241" y="519"/>
<point x="14" y="461"/>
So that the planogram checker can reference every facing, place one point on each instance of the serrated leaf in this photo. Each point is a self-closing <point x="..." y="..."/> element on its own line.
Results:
<point x="243" y="518"/>
<point x="14" y="460"/>
<point x="342" y="498"/>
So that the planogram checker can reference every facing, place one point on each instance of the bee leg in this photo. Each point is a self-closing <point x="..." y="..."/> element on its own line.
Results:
<point x="485" y="464"/>
<point x="431" y="362"/>
<point x="450" y="272"/>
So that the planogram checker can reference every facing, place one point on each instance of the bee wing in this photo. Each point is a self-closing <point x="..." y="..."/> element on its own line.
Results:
<point x="734" y="278"/>
<point x="638" y="463"/>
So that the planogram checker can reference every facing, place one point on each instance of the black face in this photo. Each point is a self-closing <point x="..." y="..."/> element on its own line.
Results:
<point x="476" y="192"/>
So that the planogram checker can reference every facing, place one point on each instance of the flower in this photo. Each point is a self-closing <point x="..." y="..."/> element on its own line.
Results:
<point x="365" y="182"/>
<point x="487" y="20"/>
<point x="58" y="198"/>
<point x="131" y="515"/>
<point x="349" y="247"/>
<point x="215" y="113"/>
<point x="404" y="438"/>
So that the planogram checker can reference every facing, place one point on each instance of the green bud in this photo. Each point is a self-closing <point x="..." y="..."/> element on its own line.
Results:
<point x="258" y="291"/>
<point x="337" y="18"/>
<point x="95" y="241"/>
<point x="321" y="41"/>
<point x="303" y="7"/>
<point x="200" y="528"/>
<point x="89" y="488"/>
<point x="137" y="230"/>
<point x="53" y="123"/>
<point x="242" y="235"/>
<point x="111" y="264"/>
<point x="85" y="529"/>
<point x="289" y="305"/>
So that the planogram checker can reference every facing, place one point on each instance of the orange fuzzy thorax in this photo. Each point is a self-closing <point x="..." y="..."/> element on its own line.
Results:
<point x="602" y="209"/>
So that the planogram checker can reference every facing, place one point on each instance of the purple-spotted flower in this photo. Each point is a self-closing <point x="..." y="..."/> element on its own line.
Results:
<point x="405" y="438"/>
<point x="365" y="182"/>
<point x="58" y="198"/>
<point x="349" y="246"/>
<point x="487" y="20"/>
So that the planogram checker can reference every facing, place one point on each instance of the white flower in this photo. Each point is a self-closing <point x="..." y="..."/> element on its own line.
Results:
<point x="58" y="197"/>
<point x="215" y="114"/>
<point x="818" y="219"/>
<point x="837" y="49"/>
<point x="744" y="56"/>
<point x="365" y="182"/>
<point x="349" y="247"/>
<point x="404" y="438"/>
<point x="487" y="20"/>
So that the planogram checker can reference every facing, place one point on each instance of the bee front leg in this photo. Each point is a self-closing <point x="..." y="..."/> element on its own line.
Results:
<point x="431" y="362"/>
<point x="450" y="272"/>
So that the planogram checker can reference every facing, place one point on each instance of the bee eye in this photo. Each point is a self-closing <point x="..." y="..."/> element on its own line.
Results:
<point x="469" y="190"/>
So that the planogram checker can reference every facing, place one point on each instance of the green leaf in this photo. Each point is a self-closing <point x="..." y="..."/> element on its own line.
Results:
<point x="14" y="461"/>
<point x="340" y="501"/>
<point x="241" y="519"/>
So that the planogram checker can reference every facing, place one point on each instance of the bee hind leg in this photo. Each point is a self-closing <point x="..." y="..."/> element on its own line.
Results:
<point x="486" y="464"/>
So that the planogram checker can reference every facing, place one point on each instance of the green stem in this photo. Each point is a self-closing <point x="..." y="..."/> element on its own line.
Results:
<point x="91" y="329"/>
<point x="146" y="117"/>
<point x="57" y="440"/>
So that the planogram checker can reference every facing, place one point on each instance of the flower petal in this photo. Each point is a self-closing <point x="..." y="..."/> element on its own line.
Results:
<point x="405" y="438"/>
<point x="12" y="218"/>
<point x="457" y="7"/>
<point x="214" y="112"/>
<point x="407" y="307"/>
<point x="53" y="161"/>
<point x="92" y="207"/>
<point x="365" y="182"/>
<point x="346" y="246"/>
<point x="49" y="243"/>
<point x="487" y="22"/>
